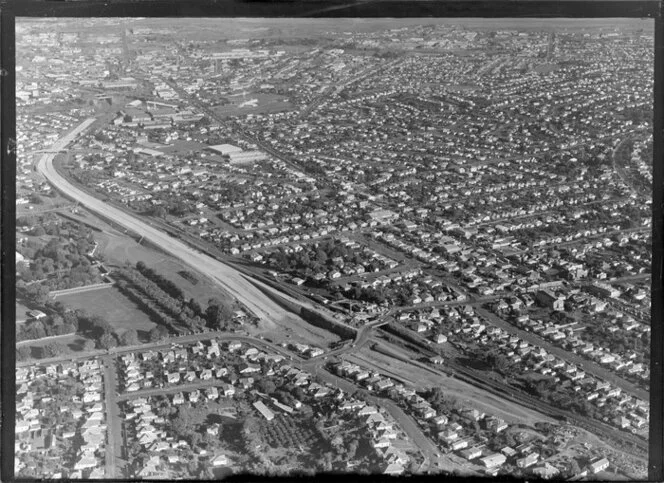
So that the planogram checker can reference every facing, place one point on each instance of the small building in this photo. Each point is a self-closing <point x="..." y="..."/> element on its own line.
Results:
<point x="548" y="299"/>
<point x="527" y="461"/>
<point x="545" y="471"/>
<point x="598" y="465"/>
<point x="471" y="453"/>
<point x="493" y="460"/>
<point x="264" y="410"/>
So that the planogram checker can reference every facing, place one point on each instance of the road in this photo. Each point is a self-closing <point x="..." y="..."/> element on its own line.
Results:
<point x="587" y="365"/>
<point x="620" y="170"/>
<point x="235" y="283"/>
<point x="164" y="344"/>
<point x="114" y="423"/>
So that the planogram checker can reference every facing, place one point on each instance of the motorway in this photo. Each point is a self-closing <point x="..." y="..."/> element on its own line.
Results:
<point x="239" y="286"/>
<point x="244" y="290"/>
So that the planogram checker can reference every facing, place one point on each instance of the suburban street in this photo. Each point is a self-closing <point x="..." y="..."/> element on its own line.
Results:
<point x="114" y="422"/>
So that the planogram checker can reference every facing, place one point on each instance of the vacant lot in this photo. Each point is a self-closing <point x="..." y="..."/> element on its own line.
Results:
<point x="120" y="312"/>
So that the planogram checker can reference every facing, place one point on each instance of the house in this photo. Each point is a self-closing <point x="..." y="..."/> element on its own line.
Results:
<point x="545" y="471"/>
<point x="493" y="460"/>
<point x="472" y="414"/>
<point x="248" y="368"/>
<point x="598" y="465"/>
<point x="316" y="351"/>
<point x="381" y="443"/>
<point x="264" y="410"/>
<point x="219" y="460"/>
<point x="548" y="299"/>
<point x="496" y="424"/>
<point x="86" y="461"/>
<point x="246" y="382"/>
<point x="459" y="444"/>
<point x="367" y="410"/>
<point x="471" y="453"/>
<point x="393" y="469"/>
<point x="440" y="420"/>
<point x="234" y="345"/>
<point x="508" y="451"/>
<point x="527" y="461"/>
<point x="426" y="412"/>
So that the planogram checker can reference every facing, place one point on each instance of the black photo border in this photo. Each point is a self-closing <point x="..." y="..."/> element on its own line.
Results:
<point x="10" y="9"/>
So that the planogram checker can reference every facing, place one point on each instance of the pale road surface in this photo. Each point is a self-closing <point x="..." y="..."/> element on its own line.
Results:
<point x="232" y="281"/>
<point x="114" y="436"/>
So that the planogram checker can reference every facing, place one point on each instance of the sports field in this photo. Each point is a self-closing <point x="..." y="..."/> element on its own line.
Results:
<point x="120" y="312"/>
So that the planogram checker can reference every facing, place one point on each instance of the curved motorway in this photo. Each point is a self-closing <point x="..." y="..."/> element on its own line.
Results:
<point x="230" y="279"/>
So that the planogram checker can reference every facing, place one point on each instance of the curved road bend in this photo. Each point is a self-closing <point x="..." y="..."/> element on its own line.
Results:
<point x="232" y="280"/>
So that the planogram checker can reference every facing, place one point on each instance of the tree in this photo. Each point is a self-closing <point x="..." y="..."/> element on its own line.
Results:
<point x="23" y="353"/>
<point x="266" y="386"/>
<point x="52" y="349"/>
<point x="182" y="422"/>
<point x="129" y="337"/>
<point x="574" y="468"/>
<point x="88" y="345"/>
<point x="159" y="211"/>
<point x="107" y="341"/>
<point x="218" y="315"/>
<point x="157" y="333"/>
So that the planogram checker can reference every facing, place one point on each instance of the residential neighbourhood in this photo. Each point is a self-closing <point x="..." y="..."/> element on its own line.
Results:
<point x="280" y="247"/>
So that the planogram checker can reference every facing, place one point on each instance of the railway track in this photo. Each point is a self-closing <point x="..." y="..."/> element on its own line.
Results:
<point x="513" y="394"/>
<point x="508" y="392"/>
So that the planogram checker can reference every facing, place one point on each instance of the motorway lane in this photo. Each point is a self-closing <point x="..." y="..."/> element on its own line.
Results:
<point x="587" y="365"/>
<point x="233" y="281"/>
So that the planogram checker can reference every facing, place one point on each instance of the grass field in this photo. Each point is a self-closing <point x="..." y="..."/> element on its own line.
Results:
<point x="120" y="312"/>
<point x="118" y="249"/>
<point x="71" y="344"/>
<point x="267" y="103"/>
<point x="21" y="312"/>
